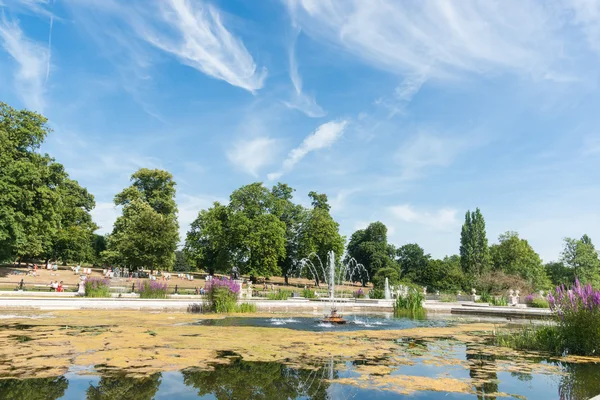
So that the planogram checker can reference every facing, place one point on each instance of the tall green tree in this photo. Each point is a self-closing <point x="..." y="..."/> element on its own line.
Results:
<point x="292" y="215"/>
<point x="474" y="251"/>
<point x="320" y="233"/>
<point x="208" y="242"/>
<point x="73" y="239"/>
<point x="146" y="235"/>
<point x="413" y="261"/>
<point x="257" y="237"/>
<point x="124" y="388"/>
<point x="515" y="256"/>
<point x="42" y="212"/>
<point x="370" y="248"/>
<point x="559" y="273"/>
<point x="581" y="256"/>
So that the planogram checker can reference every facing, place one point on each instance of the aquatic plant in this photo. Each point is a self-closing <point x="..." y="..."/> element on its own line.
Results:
<point x="377" y="294"/>
<point x="577" y="312"/>
<point x="152" y="289"/>
<point x="97" y="287"/>
<point x="245" y="308"/>
<point x="308" y="294"/>
<point x="413" y="301"/>
<point x="221" y="295"/>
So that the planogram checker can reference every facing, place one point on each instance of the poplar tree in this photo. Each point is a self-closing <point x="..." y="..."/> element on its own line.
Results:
<point x="474" y="250"/>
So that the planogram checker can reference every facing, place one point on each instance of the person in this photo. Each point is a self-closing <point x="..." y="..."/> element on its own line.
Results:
<point x="53" y="285"/>
<point x="21" y="284"/>
<point x="59" y="288"/>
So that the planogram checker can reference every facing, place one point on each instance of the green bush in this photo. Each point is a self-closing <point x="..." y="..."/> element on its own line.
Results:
<point x="413" y="301"/>
<point x="221" y="296"/>
<point x="97" y="287"/>
<point x="448" y="298"/>
<point x="308" y="294"/>
<point x="539" y="303"/>
<point x="245" y="308"/>
<point x="377" y="294"/>
<point x="280" y="295"/>
<point x="500" y="301"/>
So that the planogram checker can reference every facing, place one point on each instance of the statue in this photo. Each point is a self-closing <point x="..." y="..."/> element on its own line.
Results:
<point x="235" y="273"/>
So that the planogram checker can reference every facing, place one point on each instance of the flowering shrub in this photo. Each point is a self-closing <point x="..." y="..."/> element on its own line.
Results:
<point x="359" y="294"/>
<point x="221" y="295"/>
<point x="577" y="311"/>
<point x="529" y="298"/>
<point x="152" y="289"/>
<point x="97" y="287"/>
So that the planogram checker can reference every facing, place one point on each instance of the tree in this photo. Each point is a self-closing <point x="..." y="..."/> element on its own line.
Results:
<point x="146" y="235"/>
<point x="98" y="244"/>
<point x="73" y="238"/>
<point x="124" y="388"/>
<point x="413" y="261"/>
<point x="292" y="215"/>
<point x="34" y="388"/>
<point x="443" y="275"/>
<point x="391" y="273"/>
<point x="181" y="262"/>
<point x="559" y="273"/>
<point x="320" y="233"/>
<point x="207" y="243"/>
<point x="42" y="212"/>
<point x="514" y="256"/>
<point x="581" y="256"/>
<point x="370" y="248"/>
<point x="474" y="251"/>
<point x="257" y="237"/>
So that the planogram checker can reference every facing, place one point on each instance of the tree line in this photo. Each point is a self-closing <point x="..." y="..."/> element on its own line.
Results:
<point x="45" y="215"/>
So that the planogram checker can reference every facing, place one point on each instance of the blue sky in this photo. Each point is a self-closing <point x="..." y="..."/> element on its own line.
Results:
<point x="408" y="112"/>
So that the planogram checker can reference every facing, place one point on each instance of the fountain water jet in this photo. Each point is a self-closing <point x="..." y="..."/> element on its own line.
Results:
<point x="333" y="277"/>
<point x="388" y="294"/>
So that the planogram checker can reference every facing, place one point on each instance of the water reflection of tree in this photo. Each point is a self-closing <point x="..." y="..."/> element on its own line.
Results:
<point x="33" y="389"/>
<point x="258" y="380"/>
<point x="482" y="369"/>
<point x="582" y="381"/>
<point x="124" y="388"/>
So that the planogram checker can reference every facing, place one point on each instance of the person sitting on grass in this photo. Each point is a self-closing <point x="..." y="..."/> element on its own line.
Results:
<point x="53" y="286"/>
<point x="59" y="288"/>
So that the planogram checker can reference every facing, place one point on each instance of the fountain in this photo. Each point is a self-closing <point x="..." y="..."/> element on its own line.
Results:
<point x="332" y="278"/>
<point x="388" y="294"/>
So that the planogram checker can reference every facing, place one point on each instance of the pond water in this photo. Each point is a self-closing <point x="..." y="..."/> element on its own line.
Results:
<point x="315" y="324"/>
<point x="264" y="380"/>
<point x="463" y="366"/>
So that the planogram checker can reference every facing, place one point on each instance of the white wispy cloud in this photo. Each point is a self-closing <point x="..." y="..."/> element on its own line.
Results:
<point x="425" y="150"/>
<point x="452" y="37"/>
<point x="301" y="101"/>
<point x="193" y="32"/>
<point x="442" y="219"/>
<point x="32" y="59"/>
<point x="251" y="155"/>
<point x="325" y="136"/>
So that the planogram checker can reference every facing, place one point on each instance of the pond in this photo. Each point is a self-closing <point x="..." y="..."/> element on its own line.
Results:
<point x="132" y="355"/>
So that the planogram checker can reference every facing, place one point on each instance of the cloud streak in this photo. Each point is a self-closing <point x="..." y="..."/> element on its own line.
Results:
<point x="301" y="101"/>
<point x="325" y="136"/>
<point x="32" y="60"/>
<point x="452" y="38"/>
<point x="193" y="32"/>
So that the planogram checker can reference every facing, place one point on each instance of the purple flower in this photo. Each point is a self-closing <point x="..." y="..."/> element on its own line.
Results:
<point x="224" y="283"/>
